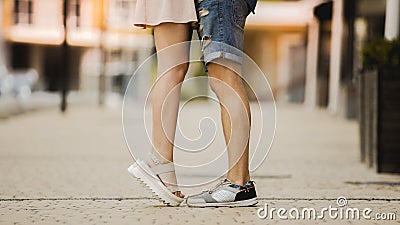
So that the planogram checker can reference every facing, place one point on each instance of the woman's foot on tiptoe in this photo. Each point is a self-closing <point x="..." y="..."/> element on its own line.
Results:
<point x="159" y="178"/>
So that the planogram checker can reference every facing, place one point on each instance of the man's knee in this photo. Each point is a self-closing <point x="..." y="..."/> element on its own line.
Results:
<point x="222" y="77"/>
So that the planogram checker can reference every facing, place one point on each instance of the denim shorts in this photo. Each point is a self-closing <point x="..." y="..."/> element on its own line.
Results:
<point x="221" y="29"/>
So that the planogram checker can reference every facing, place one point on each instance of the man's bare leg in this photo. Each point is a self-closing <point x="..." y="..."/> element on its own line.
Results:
<point x="235" y="115"/>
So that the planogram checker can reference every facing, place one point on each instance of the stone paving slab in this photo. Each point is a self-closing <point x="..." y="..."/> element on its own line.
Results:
<point x="72" y="168"/>
<point x="148" y="211"/>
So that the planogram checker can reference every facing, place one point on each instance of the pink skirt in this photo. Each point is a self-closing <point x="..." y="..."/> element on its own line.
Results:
<point x="153" y="12"/>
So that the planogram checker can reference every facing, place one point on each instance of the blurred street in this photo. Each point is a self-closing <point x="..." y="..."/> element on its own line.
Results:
<point x="71" y="168"/>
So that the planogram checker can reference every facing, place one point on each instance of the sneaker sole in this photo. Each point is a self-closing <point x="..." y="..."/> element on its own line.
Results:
<point x="243" y="203"/>
<point x="142" y="173"/>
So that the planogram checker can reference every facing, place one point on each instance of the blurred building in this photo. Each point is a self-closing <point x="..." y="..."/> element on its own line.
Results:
<point x="99" y="36"/>
<point x="276" y="38"/>
<point x="1" y="37"/>
<point x="337" y="32"/>
<point x="310" y="50"/>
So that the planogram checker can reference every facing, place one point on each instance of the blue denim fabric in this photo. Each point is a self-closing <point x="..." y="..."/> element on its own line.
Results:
<point x="221" y="28"/>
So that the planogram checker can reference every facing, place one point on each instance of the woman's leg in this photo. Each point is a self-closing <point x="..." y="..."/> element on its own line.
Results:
<point x="172" y="68"/>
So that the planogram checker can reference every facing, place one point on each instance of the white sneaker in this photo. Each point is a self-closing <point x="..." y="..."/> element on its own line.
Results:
<point x="225" y="194"/>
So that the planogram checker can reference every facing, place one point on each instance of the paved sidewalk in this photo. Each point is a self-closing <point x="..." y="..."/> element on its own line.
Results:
<point x="70" y="169"/>
<point x="12" y="105"/>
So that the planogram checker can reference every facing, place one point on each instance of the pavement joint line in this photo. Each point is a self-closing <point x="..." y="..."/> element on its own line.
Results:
<point x="75" y="199"/>
<point x="146" y="198"/>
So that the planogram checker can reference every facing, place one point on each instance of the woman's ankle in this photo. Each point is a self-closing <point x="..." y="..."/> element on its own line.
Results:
<point x="158" y="158"/>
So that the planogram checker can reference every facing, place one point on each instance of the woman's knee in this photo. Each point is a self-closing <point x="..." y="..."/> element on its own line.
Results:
<point x="176" y="74"/>
<point x="180" y="70"/>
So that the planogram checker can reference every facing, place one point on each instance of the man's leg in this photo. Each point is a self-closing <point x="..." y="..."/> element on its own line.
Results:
<point x="237" y="189"/>
<point x="235" y="116"/>
<point x="221" y="31"/>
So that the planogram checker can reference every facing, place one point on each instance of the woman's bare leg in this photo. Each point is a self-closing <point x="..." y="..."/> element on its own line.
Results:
<point x="172" y="68"/>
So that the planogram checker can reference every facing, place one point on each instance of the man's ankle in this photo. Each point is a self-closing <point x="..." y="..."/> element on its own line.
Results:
<point x="240" y="180"/>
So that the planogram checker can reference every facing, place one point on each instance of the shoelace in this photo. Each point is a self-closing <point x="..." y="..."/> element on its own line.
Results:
<point x="222" y="182"/>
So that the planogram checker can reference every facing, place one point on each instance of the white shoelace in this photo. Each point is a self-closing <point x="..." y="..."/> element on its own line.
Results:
<point x="222" y="182"/>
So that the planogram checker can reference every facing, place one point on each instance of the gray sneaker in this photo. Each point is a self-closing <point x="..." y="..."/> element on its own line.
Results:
<point x="225" y="194"/>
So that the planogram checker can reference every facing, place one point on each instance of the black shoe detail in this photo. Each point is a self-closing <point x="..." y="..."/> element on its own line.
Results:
<point x="246" y="193"/>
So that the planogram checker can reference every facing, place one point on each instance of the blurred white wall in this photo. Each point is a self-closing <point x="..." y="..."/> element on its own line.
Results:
<point x="46" y="26"/>
<point x="392" y="24"/>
